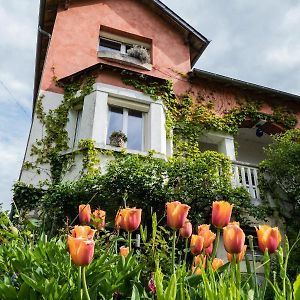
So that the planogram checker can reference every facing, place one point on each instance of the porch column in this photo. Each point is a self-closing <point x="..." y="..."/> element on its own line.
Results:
<point x="226" y="146"/>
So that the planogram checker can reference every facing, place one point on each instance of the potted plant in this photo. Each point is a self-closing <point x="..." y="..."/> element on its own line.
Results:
<point x="140" y="53"/>
<point x="118" y="139"/>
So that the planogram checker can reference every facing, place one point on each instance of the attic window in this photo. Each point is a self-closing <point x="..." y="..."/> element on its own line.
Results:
<point x="124" y="50"/>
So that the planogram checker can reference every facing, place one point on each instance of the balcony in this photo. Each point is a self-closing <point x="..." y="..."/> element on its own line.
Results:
<point x="246" y="175"/>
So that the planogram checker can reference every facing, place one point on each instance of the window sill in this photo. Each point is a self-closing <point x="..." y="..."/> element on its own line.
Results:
<point x="124" y="59"/>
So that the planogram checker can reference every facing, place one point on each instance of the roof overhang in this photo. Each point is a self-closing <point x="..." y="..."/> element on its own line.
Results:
<point x="242" y="85"/>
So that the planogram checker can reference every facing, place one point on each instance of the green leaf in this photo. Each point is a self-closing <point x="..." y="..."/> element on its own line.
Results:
<point x="135" y="293"/>
<point x="170" y="293"/>
<point x="296" y="287"/>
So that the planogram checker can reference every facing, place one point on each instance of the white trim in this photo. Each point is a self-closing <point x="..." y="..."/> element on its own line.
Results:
<point x="124" y="93"/>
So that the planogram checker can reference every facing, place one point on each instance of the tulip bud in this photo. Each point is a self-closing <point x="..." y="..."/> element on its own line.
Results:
<point x="209" y="250"/>
<point x="207" y="234"/>
<point x="187" y="230"/>
<point x="199" y="263"/>
<point x="268" y="238"/>
<point x="128" y="219"/>
<point x="239" y="257"/>
<point x="221" y="213"/>
<point x="233" y="238"/>
<point x="83" y="232"/>
<point x="217" y="263"/>
<point x="84" y="214"/>
<point x="196" y="244"/>
<point x="99" y="219"/>
<point x="124" y="251"/>
<point x="176" y="214"/>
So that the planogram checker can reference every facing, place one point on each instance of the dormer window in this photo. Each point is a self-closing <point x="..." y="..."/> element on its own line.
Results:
<point x="124" y="50"/>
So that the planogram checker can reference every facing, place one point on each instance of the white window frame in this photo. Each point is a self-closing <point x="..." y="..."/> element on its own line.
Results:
<point x="125" y="124"/>
<point x="77" y="128"/>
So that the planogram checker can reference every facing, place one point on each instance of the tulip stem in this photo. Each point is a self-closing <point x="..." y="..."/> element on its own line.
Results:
<point x="238" y="275"/>
<point x="79" y="284"/>
<point x="216" y="244"/>
<point x="85" y="289"/>
<point x="250" y="237"/>
<point x="186" y="250"/>
<point x="173" y="250"/>
<point x="129" y="240"/>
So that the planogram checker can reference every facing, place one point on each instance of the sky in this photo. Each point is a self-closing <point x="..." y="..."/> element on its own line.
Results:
<point x="256" y="41"/>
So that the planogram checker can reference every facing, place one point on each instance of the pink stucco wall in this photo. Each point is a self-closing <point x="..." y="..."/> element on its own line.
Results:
<point x="75" y="38"/>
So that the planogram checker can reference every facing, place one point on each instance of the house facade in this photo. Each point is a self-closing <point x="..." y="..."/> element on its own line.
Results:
<point x="109" y="40"/>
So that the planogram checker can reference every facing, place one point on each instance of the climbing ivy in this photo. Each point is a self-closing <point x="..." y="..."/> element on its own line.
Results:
<point x="188" y="116"/>
<point x="49" y="149"/>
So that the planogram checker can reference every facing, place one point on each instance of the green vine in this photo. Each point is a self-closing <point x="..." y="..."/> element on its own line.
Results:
<point x="188" y="116"/>
<point x="90" y="161"/>
<point x="49" y="149"/>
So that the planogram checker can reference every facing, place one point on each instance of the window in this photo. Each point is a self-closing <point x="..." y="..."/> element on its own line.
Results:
<point x="115" y="46"/>
<point x="130" y="122"/>
<point x="77" y="127"/>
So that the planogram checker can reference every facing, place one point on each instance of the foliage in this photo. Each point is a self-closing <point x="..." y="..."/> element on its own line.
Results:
<point x="49" y="149"/>
<point x="280" y="178"/>
<point x="140" y="53"/>
<point x="146" y="182"/>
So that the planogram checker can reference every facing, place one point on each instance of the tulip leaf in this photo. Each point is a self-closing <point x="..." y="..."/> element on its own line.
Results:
<point x="135" y="293"/>
<point x="296" y="287"/>
<point x="170" y="293"/>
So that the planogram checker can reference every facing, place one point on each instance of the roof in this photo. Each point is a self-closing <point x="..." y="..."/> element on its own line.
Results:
<point x="47" y="15"/>
<point x="243" y="85"/>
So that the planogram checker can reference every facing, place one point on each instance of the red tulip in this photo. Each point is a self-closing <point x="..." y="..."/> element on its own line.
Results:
<point x="176" y="214"/>
<point x="128" y="219"/>
<point x="207" y="234"/>
<point x="221" y="213"/>
<point x="233" y="238"/>
<point x="84" y="214"/>
<point x="217" y="263"/>
<point x="124" y="251"/>
<point x="239" y="257"/>
<point x="187" y="230"/>
<point x="209" y="250"/>
<point x="268" y="238"/>
<point x="196" y="244"/>
<point x="99" y="219"/>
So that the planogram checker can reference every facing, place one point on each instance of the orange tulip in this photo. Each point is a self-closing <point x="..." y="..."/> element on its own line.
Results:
<point x="209" y="250"/>
<point x="99" y="219"/>
<point x="83" y="232"/>
<point x="207" y="234"/>
<point x="217" y="263"/>
<point x="84" y="214"/>
<point x="124" y="251"/>
<point x="199" y="263"/>
<point x="196" y="244"/>
<point x="128" y="219"/>
<point x="81" y="250"/>
<point x="234" y="238"/>
<point x="268" y="238"/>
<point x="187" y="230"/>
<point x="221" y="213"/>
<point x="176" y="214"/>
<point x="239" y="257"/>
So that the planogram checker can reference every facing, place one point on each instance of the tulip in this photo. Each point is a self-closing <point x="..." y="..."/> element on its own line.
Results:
<point x="209" y="250"/>
<point x="207" y="234"/>
<point x="234" y="238"/>
<point x="81" y="250"/>
<point x="84" y="232"/>
<point x="268" y="238"/>
<point x="217" y="263"/>
<point x="221" y="213"/>
<point x="84" y="214"/>
<point x="151" y="285"/>
<point x="196" y="244"/>
<point x="99" y="219"/>
<point x="199" y="262"/>
<point x="176" y="214"/>
<point x="239" y="257"/>
<point x="124" y="251"/>
<point x="128" y="219"/>
<point x="186" y="230"/>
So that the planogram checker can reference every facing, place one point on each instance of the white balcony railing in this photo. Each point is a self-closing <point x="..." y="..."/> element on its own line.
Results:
<point x="245" y="174"/>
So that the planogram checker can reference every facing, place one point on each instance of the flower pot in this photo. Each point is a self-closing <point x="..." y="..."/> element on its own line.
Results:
<point x="117" y="141"/>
